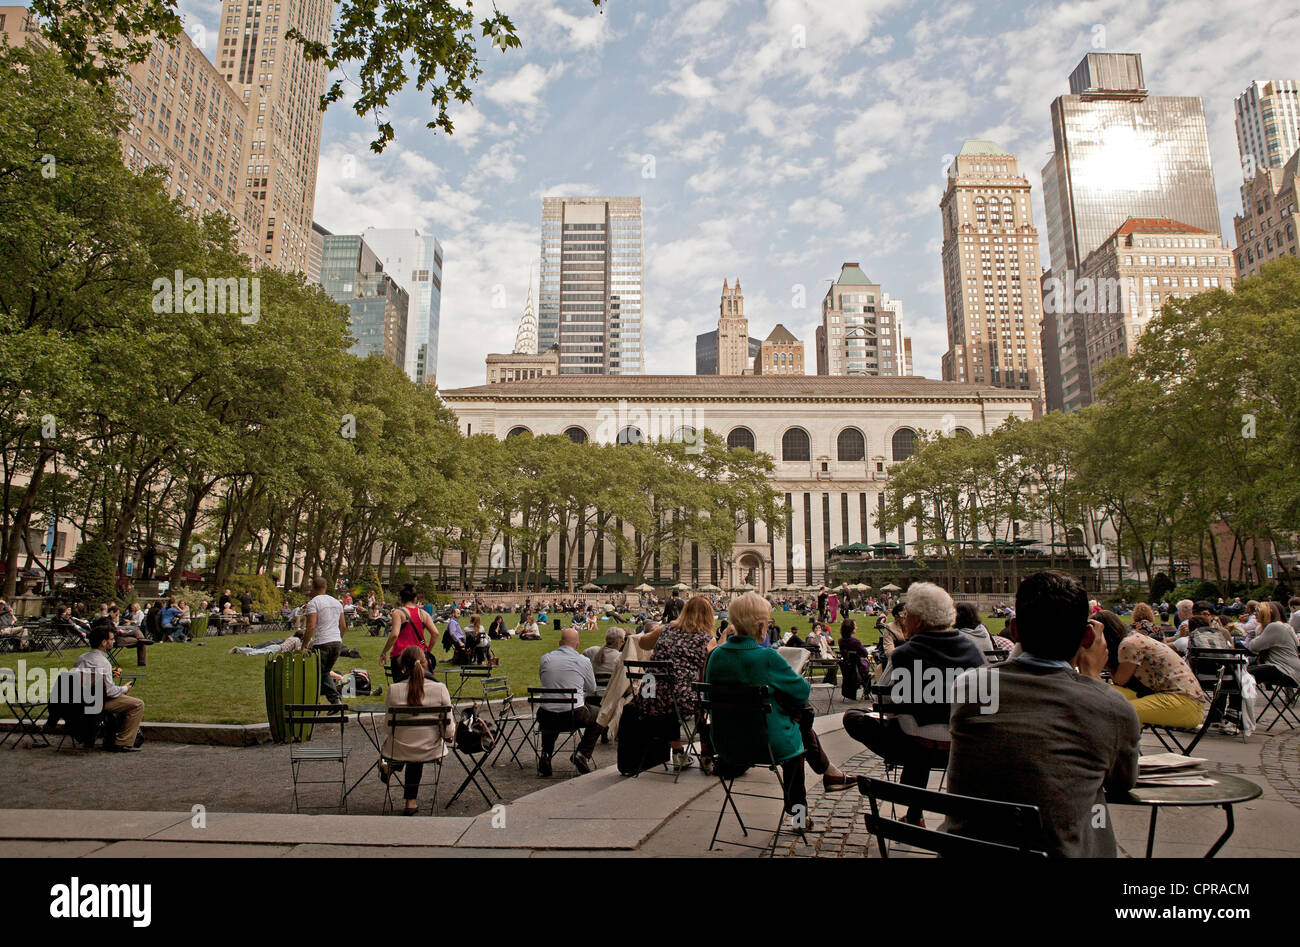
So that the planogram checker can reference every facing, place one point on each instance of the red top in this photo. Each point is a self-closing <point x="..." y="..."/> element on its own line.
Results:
<point x="412" y="633"/>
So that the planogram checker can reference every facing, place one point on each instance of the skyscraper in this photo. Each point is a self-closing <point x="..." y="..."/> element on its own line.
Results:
<point x="378" y="307"/>
<point x="526" y="334"/>
<point x="281" y="91"/>
<point x="860" y="332"/>
<point x="990" y="272"/>
<point x="1268" y="124"/>
<point x="733" y="332"/>
<point x="415" y="262"/>
<point x="1119" y="153"/>
<point x="592" y="273"/>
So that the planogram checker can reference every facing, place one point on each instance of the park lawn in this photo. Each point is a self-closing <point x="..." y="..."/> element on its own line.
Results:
<point x="199" y="682"/>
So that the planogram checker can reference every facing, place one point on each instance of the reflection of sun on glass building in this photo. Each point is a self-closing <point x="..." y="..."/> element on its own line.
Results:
<point x="378" y="307"/>
<point x="1119" y="153"/>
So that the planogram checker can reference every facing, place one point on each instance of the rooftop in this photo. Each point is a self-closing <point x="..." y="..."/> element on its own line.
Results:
<point x="780" y="334"/>
<point x="977" y="147"/>
<point x="726" y="387"/>
<point x="852" y="274"/>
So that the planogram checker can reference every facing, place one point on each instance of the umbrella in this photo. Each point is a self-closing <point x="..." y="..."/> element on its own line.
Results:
<point x="591" y="587"/>
<point x="710" y="588"/>
<point x="891" y="587"/>
<point x="682" y="587"/>
<point x="743" y="587"/>
<point x="862" y="587"/>
<point x="643" y="587"/>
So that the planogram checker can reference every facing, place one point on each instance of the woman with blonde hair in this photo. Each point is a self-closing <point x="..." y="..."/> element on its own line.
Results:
<point x="789" y="734"/>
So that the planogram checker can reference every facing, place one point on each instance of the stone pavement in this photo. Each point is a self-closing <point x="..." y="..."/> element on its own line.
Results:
<point x="609" y="815"/>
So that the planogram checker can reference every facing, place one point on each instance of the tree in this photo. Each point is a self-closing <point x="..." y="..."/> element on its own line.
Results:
<point x="92" y="564"/>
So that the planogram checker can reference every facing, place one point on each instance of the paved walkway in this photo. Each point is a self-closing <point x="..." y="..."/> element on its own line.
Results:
<point x="599" y="814"/>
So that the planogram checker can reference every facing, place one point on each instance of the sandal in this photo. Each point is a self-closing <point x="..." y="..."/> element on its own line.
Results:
<point x="840" y="784"/>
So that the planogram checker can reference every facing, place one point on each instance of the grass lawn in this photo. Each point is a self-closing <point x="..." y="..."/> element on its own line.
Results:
<point x="199" y="682"/>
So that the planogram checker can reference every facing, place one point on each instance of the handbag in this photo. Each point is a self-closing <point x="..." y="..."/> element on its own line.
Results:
<point x="473" y="735"/>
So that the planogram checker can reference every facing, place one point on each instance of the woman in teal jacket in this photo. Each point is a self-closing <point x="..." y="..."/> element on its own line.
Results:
<point x="789" y="735"/>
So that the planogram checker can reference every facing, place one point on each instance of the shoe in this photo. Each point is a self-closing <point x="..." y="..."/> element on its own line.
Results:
<point x="139" y="740"/>
<point x="543" y="766"/>
<point x="682" y="760"/>
<point x="583" y="763"/>
<point x="410" y="812"/>
<point x="124" y="749"/>
<point x="839" y="785"/>
<point x="706" y="765"/>
<point x="385" y="773"/>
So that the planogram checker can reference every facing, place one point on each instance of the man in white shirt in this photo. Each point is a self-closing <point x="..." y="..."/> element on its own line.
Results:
<point x="325" y="624"/>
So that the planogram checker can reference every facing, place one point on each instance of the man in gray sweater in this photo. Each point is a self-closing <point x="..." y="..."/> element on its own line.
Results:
<point x="97" y="673"/>
<point x="1053" y="737"/>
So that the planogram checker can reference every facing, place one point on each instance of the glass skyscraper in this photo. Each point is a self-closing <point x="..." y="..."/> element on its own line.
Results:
<point x="415" y="262"/>
<point x="592" y="272"/>
<point x="1119" y="153"/>
<point x="352" y="274"/>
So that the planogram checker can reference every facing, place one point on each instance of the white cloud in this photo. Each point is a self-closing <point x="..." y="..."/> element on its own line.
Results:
<point x="525" y="86"/>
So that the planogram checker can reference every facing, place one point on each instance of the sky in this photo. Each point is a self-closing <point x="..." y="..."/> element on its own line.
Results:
<point x="769" y="142"/>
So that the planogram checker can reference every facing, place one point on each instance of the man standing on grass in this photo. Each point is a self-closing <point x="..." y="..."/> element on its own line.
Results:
<point x="325" y="634"/>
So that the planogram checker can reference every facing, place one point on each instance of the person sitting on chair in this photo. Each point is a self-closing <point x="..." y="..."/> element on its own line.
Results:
<point x="603" y="657"/>
<point x="97" y="674"/>
<point x="1059" y="739"/>
<point x="1278" y="662"/>
<point x="789" y="732"/>
<point x="564" y="668"/>
<point x="409" y="748"/>
<point x="1154" y="678"/>
<point x="918" y="739"/>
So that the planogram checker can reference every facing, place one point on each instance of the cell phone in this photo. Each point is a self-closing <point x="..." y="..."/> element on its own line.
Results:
<point x="1089" y="637"/>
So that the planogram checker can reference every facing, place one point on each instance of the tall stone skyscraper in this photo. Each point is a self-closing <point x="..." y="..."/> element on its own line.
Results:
<point x="592" y="272"/>
<point x="281" y="90"/>
<point x="1119" y="153"/>
<point x="990" y="272"/>
<point x="861" y="331"/>
<point x="1268" y="125"/>
<point x="733" y="332"/>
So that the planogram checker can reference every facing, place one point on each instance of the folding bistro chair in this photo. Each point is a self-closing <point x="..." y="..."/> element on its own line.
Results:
<point x="1019" y="825"/>
<point x="742" y="706"/>
<point x="996" y="656"/>
<point x="27" y="714"/>
<point x="643" y="675"/>
<point x="511" y="728"/>
<point x="327" y="752"/>
<point x="1282" y="699"/>
<point x="1215" y="669"/>
<point x="552" y="695"/>
<point x="880" y="705"/>
<point x="397" y="717"/>
<point x="470" y="672"/>
<point x="473" y="772"/>
<point x="820" y="685"/>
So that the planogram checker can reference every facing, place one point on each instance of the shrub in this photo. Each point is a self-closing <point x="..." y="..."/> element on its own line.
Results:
<point x="92" y="564"/>
<point x="266" y="597"/>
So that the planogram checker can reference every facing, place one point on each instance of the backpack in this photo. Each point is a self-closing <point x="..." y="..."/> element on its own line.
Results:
<point x="472" y="734"/>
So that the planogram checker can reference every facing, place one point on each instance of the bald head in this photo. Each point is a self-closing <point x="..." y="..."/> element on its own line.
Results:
<point x="569" y="637"/>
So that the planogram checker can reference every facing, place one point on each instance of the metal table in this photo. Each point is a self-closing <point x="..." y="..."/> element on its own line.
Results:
<point x="372" y="734"/>
<point x="1227" y="791"/>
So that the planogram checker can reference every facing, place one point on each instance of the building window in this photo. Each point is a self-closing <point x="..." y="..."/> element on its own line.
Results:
<point x="630" y="435"/>
<point x="904" y="443"/>
<point x="741" y="437"/>
<point x="795" y="445"/>
<point x="851" y="445"/>
<point x="576" y="434"/>
<point x="518" y="431"/>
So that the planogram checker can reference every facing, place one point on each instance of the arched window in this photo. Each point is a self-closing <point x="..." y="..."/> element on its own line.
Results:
<point x="685" y="435"/>
<point x="741" y="437"/>
<point x="630" y="435"/>
<point x="517" y="431"/>
<point x="576" y="434"/>
<point x="795" y="445"/>
<point x="904" y="443"/>
<point x="851" y="445"/>
<point x="962" y="432"/>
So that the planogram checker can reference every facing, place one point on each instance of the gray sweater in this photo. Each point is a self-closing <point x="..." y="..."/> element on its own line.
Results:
<point x="1276" y="645"/>
<point x="1059" y="741"/>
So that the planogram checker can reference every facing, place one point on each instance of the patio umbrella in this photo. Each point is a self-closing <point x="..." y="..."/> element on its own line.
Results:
<point x="710" y="588"/>
<point x="591" y="587"/>
<point x="862" y="587"/>
<point x="682" y="587"/>
<point x="643" y="587"/>
<point x="743" y="587"/>
<point x="891" y="587"/>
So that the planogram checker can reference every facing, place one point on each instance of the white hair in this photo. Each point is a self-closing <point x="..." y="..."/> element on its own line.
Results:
<point x="931" y="604"/>
<point x="750" y="613"/>
<point x="1185" y="606"/>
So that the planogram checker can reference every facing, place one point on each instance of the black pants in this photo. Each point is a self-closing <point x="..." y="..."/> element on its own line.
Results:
<point x="329" y="656"/>
<point x="552" y="723"/>
<point x="884" y="737"/>
<point x="411" y="775"/>
<point x="792" y="775"/>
